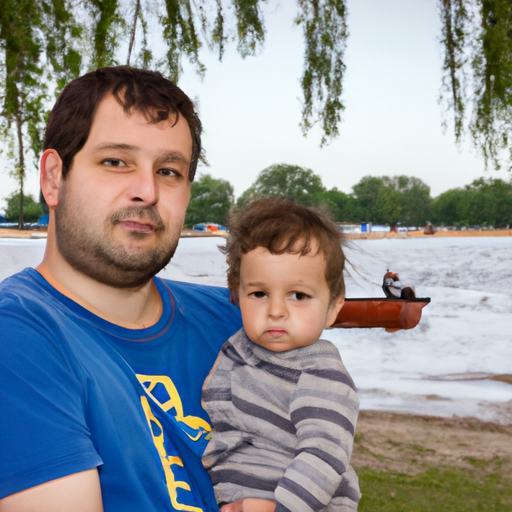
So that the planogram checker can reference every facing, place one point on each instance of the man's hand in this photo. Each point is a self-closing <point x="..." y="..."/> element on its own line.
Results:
<point x="80" y="492"/>
<point x="248" y="505"/>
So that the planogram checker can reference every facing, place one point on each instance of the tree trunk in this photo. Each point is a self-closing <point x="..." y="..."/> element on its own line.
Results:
<point x="21" y="164"/>
<point x="134" y="28"/>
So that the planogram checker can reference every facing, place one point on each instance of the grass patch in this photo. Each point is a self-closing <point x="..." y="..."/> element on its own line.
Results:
<point x="442" y="490"/>
<point x="478" y="463"/>
<point x="422" y="449"/>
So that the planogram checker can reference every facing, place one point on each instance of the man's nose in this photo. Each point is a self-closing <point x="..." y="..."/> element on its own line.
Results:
<point x="144" y="189"/>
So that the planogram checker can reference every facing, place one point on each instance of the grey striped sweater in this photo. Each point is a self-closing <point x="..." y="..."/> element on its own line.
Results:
<point x="283" y="426"/>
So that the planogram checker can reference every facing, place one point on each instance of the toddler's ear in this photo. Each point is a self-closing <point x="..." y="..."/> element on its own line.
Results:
<point x="334" y="309"/>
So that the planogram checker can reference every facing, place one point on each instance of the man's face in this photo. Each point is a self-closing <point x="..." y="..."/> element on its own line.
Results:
<point x="121" y="207"/>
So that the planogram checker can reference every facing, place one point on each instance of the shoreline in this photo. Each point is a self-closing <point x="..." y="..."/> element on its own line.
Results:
<point x="186" y="233"/>
<point x="42" y="233"/>
<point x="437" y="234"/>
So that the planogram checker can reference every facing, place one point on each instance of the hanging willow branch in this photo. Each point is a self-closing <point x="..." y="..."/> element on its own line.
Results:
<point x="107" y="21"/>
<point x="325" y="33"/>
<point x="491" y="123"/>
<point x="454" y="19"/>
<point x="187" y="25"/>
<point x="477" y="41"/>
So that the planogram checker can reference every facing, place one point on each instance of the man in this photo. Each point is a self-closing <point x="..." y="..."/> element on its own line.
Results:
<point x="101" y="364"/>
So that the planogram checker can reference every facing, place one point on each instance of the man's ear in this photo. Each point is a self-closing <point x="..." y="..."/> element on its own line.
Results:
<point x="51" y="176"/>
<point x="334" y="309"/>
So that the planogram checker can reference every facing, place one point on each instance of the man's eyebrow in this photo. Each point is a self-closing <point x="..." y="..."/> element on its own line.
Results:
<point x="174" y="156"/>
<point x="116" y="145"/>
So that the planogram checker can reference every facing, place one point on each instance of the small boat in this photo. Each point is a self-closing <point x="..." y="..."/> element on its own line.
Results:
<point x="398" y="310"/>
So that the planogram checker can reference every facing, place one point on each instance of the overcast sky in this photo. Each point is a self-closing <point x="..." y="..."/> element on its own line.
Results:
<point x="392" y="123"/>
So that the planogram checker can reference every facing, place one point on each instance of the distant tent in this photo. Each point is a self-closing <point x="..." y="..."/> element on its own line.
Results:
<point x="211" y="227"/>
<point x="429" y="229"/>
<point x="44" y="219"/>
<point x="2" y="219"/>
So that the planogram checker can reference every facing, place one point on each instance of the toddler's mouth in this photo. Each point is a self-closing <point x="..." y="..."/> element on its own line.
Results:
<point x="276" y="332"/>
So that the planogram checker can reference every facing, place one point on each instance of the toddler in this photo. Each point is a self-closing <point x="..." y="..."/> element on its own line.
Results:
<point x="282" y="405"/>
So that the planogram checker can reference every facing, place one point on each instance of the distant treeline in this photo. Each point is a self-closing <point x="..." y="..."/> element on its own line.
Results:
<point x="391" y="200"/>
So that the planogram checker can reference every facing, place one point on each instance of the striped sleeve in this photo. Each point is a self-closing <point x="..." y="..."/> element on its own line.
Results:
<point x="324" y="411"/>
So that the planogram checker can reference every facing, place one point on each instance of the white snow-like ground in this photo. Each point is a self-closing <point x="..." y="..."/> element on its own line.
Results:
<point x="439" y="367"/>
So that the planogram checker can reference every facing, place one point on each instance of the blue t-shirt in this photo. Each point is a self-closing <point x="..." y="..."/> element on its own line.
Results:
<point x="78" y="392"/>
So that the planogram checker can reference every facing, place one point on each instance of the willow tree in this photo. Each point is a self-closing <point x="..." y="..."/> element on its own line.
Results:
<point x="46" y="43"/>
<point x="36" y="56"/>
<point x="23" y="87"/>
<point x="477" y="81"/>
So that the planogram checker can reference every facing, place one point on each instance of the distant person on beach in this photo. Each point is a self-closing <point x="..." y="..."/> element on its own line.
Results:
<point x="101" y="363"/>
<point x="282" y="405"/>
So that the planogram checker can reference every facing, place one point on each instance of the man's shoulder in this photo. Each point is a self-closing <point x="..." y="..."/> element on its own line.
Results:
<point x="209" y="304"/>
<point x="199" y="294"/>
<point x="195" y="288"/>
<point x="15" y="279"/>
<point x="26" y="306"/>
<point x="21" y="286"/>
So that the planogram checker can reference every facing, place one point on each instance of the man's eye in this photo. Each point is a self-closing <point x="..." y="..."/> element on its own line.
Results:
<point x="114" y="162"/>
<point x="300" y="296"/>
<point x="167" y="172"/>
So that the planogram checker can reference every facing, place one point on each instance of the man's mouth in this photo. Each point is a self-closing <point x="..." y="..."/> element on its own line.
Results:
<point x="138" y="220"/>
<point x="141" y="227"/>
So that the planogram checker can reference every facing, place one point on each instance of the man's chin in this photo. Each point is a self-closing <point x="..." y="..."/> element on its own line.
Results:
<point x="138" y="240"/>
<point x="123" y="275"/>
<point x="120" y="266"/>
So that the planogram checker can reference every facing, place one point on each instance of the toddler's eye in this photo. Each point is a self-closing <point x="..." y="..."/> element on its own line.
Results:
<point x="300" y="296"/>
<point x="259" y="295"/>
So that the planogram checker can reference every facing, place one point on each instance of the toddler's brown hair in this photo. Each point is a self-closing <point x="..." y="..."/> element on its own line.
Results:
<point x="285" y="227"/>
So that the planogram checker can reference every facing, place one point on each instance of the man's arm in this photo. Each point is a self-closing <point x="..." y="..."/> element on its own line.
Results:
<point x="45" y="434"/>
<point x="80" y="492"/>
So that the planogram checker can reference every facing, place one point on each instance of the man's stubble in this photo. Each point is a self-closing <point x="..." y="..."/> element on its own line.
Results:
<point x="99" y="256"/>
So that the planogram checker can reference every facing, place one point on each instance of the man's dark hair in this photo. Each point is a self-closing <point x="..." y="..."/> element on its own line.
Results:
<point x="148" y="92"/>
<point x="285" y="227"/>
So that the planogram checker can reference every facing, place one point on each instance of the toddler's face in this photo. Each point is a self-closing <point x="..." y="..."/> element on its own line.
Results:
<point x="284" y="299"/>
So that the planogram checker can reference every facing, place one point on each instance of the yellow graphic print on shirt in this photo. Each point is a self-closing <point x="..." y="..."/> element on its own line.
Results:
<point x="195" y="427"/>
<point x="173" y="401"/>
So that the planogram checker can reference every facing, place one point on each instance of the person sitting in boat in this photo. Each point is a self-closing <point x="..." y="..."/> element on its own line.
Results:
<point x="282" y="404"/>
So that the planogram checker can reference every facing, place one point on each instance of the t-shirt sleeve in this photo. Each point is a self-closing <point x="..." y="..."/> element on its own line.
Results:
<point x="324" y="411"/>
<point x="43" y="410"/>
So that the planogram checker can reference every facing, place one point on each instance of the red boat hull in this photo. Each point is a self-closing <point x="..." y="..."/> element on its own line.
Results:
<point x="391" y="314"/>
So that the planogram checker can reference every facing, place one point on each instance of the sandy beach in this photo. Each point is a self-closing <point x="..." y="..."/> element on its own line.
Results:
<point x="409" y="443"/>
